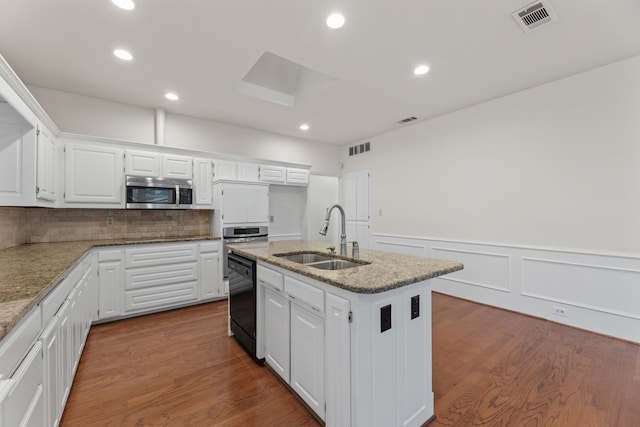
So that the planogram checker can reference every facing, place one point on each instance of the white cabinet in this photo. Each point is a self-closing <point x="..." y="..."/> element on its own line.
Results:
<point x="149" y="163"/>
<point x="50" y="339"/>
<point x="176" y="166"/>
<point x="243" y="203"/>
<point x="110" y="283"/>
<point x="143" y="163"/>
<point x="93" y="174"/>
<point x="22" y="403"/>
<point x="276" y="324"/>
<point x="338" y="360"/>
<point x="210" y="266"/>
<point x="355" y="200"/>
<point x="203" y="182"/>
<point x="46" y="176"/>
<point x="297" y="176"/>
<point x="225" y="170"/>
<point x="273" y="174"/>
<point x="248" y="172"/>
<point x="307" y="357"/>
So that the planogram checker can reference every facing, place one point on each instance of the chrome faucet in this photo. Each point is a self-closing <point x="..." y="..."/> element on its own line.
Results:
<point x="343" y="235"/>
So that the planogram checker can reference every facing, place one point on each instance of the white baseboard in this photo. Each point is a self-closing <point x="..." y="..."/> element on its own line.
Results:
<point x="599" y="292"/>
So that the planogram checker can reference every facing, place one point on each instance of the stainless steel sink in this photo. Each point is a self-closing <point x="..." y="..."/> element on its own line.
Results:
<point x="321" y="261"/>
<point x="305" y="258"/>
<point x="336" y="264"/>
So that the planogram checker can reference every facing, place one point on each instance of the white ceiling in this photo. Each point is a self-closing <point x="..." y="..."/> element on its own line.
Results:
<point x="201" y="49"/>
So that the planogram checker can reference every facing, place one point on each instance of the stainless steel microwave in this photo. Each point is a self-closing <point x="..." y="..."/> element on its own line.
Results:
<point x="158" y="193"/>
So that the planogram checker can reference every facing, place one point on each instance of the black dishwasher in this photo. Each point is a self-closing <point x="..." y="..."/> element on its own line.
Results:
<point x="242" y="300"/>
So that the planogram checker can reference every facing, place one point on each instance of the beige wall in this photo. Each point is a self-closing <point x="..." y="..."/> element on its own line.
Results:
<point x="556" y="166"/>
<point x="62" y="225"/>
<point x="96" y="117"/>
<point x="12" y="227"/>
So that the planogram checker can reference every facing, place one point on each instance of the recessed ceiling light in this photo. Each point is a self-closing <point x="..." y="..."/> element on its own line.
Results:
<point x="123" y="54"/>
<point x="124" y="4"/>
<point x="420" y="70"/>
<point x="304" y="126"/>
<point x="335" y="20"/>
<point x="172" y="96"/>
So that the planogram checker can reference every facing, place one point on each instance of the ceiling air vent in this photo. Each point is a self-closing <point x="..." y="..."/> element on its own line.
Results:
<point x="360" y="148"/>
<point x="534" y="15"/>
<point x="407" y="120"/>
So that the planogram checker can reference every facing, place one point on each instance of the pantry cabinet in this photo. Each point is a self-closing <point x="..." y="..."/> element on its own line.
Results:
<point x="355" y="201"/>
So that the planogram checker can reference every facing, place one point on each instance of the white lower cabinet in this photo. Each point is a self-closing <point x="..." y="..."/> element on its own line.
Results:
<point x="342" y="363"/>
<point x="21" y="404"/>
<point x="50" y="340"/>
<point x="111" y="283"/>
<point x="307" y="357"/>
<point x="276" y="320"/>
<point x="210" y="266"/>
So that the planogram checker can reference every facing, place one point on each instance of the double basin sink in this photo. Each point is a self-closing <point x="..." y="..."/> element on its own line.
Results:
<point x="322" y="261"/>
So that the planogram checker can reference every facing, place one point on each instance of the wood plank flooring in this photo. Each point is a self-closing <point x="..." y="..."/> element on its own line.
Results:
<point x="490" y="368"/>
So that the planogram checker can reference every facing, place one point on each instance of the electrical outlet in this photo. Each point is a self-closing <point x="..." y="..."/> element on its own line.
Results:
<point x="559" y="311"/>
<point x="109" y="220"/>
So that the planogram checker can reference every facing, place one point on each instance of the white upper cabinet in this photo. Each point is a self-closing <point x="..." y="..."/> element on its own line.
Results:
<point x="224" y="170"/>
<point x="273" y="174"/>
<point x="243" y="203"/>
<point x="248" y="172"/>
<point x="203" y="182"/>
<point x="93" y="174"/>
<point x="175" y="166"/>
<point x="143" y="163"/>
<point x="297" y="176"/>
<point x="47" y="166"/>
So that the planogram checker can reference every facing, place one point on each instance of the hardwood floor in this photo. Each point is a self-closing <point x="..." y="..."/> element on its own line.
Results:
<point x="490" y="368"/>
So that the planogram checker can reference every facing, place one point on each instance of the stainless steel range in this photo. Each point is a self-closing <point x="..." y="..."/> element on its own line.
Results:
<point x="243" y="234"/>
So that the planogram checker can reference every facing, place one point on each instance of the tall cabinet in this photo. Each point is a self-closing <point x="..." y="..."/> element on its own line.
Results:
<point x="355" y="198"/>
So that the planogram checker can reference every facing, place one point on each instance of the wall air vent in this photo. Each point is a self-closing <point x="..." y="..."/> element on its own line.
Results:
<point x="407" y="120"/>
<point x="534" y="15"/>
<point x="360" y="148"/>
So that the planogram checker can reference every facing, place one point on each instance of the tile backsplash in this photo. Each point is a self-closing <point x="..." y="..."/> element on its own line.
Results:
<point x="61" y="225"/>
<point x="12" y="227"/>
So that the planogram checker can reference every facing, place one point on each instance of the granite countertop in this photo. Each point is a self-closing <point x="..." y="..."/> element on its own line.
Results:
<point x="29" y="272"/>
<point x="387" y="270"/>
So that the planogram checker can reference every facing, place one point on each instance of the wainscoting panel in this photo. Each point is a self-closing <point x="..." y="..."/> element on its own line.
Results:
<point x="602" y="288"/>
<point x="483" y="269"/>
<point x="599" y="292"/>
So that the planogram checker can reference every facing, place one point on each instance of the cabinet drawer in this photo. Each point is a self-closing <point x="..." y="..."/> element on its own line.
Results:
<point x="160" y="275"/>
<point x="270" y="278"/>
<point x="159" y="255"/>
<point x="303" y="292"/>
<point x="210" y="246"/>
<point x="26" y="389"/>
<point x="159" y="296"/>
<point x="54" y="300"/>
<point x="109" y="255"/>
<point x="15" y="345"/>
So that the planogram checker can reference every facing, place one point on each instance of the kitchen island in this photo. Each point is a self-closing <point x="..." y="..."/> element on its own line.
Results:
<point x="355" y="343"/>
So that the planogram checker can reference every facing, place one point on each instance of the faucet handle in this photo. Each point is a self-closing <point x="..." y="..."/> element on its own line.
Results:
<point x="332" y="249"/>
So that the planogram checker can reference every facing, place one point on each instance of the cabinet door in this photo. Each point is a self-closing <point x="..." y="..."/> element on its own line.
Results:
<point x="17" y="145"/>
<point x="175" y="166"/>
<point x="93" y="174"/>
<point x="234" y="204"/>
<point x="203" y="181"/>
<point x="362" y="196"/>
<point x="46" y="170"/>
<point x="338" y="351"/>
<point x="257" y="203"/>
<point x="349" y="196"/>
<point x="51" y="366"/>
<point x="274" y="174"/>
<point x="143" y="163"/>
<point x="210" y="283"/>
<point x="225" y="170"/>
<point x="276" y="330"/>
<point x="307" y="357"/>
<point x="248" y="172"/>
<point x="23" y="403"/>
<point x="111" y="290"/>
<point x="297" y="176"/>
